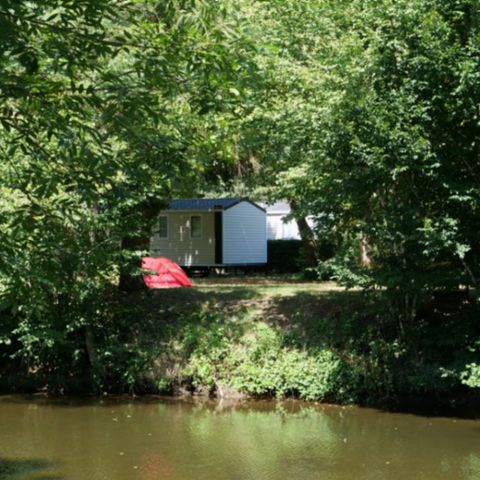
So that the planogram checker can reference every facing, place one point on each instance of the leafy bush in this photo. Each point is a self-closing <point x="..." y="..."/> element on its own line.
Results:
<point x="260" y="364"/>
<point x="284" y="256"/>
<point x="288" y="256"/>
<point x="471" y="376"/>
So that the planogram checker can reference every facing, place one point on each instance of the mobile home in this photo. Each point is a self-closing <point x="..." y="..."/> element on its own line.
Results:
<point x="213" y="232"/>
<point x="279" y="225"/>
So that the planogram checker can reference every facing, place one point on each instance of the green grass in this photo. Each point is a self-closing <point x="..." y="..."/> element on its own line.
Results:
<point x="253" y="298"/>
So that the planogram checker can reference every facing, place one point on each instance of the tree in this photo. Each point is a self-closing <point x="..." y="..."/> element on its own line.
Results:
<point x="103" y="118"/>
<point x="397" y="162"/>
<point x="273" y="131"/>
<point x="365" y="115"/>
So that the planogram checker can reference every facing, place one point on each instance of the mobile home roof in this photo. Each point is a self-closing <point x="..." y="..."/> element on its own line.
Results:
<point x="189" y="204"/>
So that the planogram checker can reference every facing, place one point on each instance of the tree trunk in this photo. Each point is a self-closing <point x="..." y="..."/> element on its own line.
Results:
<point x="308" y="238"/>
<point x="365" y="260"/>
<point x="128" y="281"/>
<point x="146" y="213"/>
<point x="90" y="346"/>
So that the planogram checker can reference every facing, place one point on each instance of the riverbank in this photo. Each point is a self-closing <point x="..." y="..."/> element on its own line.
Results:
<point x="267" y="337"/>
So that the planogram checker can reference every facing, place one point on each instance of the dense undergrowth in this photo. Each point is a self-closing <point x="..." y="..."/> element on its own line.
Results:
<point x="325" y="346"/>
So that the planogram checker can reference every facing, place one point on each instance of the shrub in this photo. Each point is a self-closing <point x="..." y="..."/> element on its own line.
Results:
<point x="288" y="256"/>
<point x="260" y="364"/>
<point x="471" y="376"/>
<point x="284" y="256"/>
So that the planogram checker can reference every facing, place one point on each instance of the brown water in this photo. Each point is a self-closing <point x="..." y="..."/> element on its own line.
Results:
<point x="178" y="440"/>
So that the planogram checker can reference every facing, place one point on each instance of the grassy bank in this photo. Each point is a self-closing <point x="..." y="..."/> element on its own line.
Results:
<point x="274" y="337"/>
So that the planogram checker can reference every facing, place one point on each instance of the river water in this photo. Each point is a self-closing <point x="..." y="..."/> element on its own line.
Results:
<point x="166" y="439"/>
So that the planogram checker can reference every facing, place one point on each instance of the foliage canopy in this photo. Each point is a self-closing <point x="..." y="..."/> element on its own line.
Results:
<point x="364" y="114"/>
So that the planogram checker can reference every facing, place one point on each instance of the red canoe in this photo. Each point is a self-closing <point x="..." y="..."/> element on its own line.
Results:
<point x="168" y="273"/>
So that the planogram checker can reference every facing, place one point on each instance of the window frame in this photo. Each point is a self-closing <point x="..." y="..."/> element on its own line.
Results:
<point x="167" y="227"/>
<point x="200" y="224"/>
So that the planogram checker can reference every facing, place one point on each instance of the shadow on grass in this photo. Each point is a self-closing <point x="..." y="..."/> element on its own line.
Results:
<point x="154" y="311"/>
<point x="325" y="319"/>
<point x="31" y="469"/>
<point x="307" y="315"/>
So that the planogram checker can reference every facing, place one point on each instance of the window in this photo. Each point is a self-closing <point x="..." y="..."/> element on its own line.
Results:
<point x="162" y="231"/>
<point x="196" y="226"/>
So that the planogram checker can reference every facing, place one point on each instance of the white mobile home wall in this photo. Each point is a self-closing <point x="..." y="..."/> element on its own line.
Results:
<point x="244" y="229"/>
<point x="277" y="226"/>
<point x="278" y="229"/>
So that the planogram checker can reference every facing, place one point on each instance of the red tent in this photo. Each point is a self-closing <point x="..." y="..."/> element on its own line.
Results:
<point x="168" y="273"/>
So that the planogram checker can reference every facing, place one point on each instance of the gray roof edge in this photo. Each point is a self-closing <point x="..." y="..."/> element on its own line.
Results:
<point x="280" y="207"/>
<point x="248" y="201"/>
<point x="207" y="204"/>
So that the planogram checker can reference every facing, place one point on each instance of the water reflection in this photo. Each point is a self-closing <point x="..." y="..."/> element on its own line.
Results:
<point x="174" y="440"/>
<point x="32" y="469"/>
